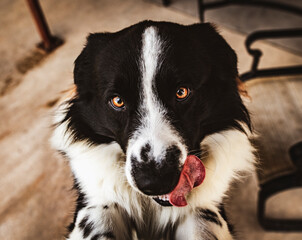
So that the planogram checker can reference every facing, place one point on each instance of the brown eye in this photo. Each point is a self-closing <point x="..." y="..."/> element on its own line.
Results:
<point x="117" y="102"/>
<point x="182" y="93"/>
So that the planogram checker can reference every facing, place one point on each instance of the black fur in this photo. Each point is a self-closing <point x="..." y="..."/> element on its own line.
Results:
<point x="196" y="56"/>
<point x="80" y="204"/>
<point x="209" y="216"/>
<point x="107" y="235"/>
<point x="224" y="216"/>
<point x="83" y="223"/>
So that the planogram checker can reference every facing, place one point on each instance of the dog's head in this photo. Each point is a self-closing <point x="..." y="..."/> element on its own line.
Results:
<point x="157" y="89"/>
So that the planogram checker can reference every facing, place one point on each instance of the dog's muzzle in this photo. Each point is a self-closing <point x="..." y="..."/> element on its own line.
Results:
<point x="164" y="176"/>
<point x="164" y="180"/>
<point x="156" y="175"/>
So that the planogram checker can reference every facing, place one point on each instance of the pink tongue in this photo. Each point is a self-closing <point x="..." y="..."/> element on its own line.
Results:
<point x="192" y="175"/>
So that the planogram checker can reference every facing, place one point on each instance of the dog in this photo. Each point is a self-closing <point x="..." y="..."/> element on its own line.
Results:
<point x="155" y="132"/>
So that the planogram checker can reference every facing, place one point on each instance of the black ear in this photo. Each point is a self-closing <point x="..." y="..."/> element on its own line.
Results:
<point x="85" y="64"/>
<point x="222" y="57"/>
<point x="223" y="78"/>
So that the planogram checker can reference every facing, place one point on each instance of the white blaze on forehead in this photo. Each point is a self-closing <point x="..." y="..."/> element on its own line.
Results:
<point x="154" y="127"/>
<point x="150" y="59"/>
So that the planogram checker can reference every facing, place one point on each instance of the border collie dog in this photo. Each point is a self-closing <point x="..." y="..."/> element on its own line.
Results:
<point x="155" y="132"/>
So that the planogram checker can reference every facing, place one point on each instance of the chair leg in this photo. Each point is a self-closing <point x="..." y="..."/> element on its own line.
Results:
<point x="49" y="42"/>
<point x="295" y="153"/>
<point x="166" y="2"/>
<point x="201" y="10"/>
<point x="271" y="188"/>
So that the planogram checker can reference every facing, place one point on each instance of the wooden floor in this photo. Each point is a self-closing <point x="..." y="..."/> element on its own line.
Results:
<point x="35" y="183"/>
<point x="277" y="115"/>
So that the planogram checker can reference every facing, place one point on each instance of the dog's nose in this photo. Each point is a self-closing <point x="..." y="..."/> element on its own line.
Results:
<point x="157" y="176"/>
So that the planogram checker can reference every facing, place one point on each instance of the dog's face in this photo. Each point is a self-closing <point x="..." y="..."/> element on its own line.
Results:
<point x="157" y="89"/>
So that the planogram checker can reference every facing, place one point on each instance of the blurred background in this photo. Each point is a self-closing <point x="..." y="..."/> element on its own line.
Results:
<point x="36" y="200"/>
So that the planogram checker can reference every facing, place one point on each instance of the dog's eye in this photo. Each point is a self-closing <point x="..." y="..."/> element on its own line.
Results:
<point x="182" y="93"/>
<point x="117" y="103"/>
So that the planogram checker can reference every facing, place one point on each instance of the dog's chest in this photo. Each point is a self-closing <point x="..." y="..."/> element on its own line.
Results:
<point x="157" y="222"/>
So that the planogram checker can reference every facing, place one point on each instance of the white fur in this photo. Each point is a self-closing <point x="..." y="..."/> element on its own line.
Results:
<point x="100" y="171"/>
<point x="186" y="226"/>
<point x="104" y="172"/>
<point x="154" y="127"/>
<point x="227" y="153"/>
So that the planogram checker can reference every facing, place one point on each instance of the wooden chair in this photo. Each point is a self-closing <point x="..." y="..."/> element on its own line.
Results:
<point x="276" y="110"/>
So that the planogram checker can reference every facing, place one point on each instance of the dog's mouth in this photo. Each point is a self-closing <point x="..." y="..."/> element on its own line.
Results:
<point x="192" y="175"/>
<point x="163" y="200"/>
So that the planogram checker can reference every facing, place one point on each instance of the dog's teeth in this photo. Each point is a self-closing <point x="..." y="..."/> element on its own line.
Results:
<point x="163" y="197"/>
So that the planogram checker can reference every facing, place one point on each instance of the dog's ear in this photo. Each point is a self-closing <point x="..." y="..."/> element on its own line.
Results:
<point x="221" y="60"/>
<point x="222" y="57"/>
<point x="225" y="57"/>
<point x="242" y="88"/>
<point x="85" y="64"/>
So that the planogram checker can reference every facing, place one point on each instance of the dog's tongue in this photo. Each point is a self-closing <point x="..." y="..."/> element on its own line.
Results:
<point x="192" y="175"/>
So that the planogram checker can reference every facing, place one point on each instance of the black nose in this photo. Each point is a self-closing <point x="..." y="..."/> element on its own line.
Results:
<point x="157" y="176"/>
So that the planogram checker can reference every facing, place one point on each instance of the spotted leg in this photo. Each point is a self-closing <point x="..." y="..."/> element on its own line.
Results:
<point x="101" y="222"/>
<point x="204" y="224"/>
